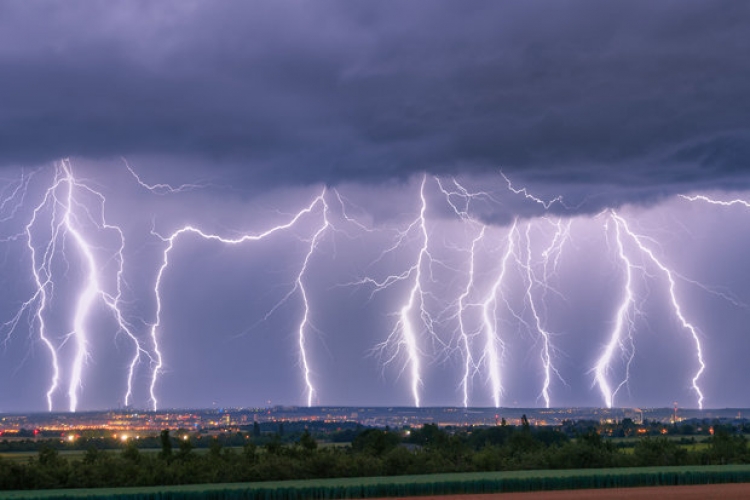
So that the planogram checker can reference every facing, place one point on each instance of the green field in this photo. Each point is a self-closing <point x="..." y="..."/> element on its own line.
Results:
<point x="454" y="483"/>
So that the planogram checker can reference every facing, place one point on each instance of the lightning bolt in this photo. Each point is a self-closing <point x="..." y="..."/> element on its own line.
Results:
<point x="63" y="210"/>
<point x="550" y="261"/>
<point x="676" y="307"/>
<point x="494" y="346"/>
<point x="713" y="201"/>
<point x="161" y="188"/>
<point x="299" y="284"/>
<point x="544" y="334"/>
<point x="15" y="199"/>
<point x="465" y="337"/>
<point x="63" y="231"/>
<point x="403" y="336"/>
<point x="524" y="192"/>
<point x="622" y="331"/>
<point x="36" y="305"/>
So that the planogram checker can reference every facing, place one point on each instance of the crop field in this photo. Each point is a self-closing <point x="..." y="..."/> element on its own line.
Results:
<point x="462" y="484"/>
<point x="737" y="491"/>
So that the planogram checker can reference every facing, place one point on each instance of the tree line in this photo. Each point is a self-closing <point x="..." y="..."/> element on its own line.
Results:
<point x="372" y="452"/>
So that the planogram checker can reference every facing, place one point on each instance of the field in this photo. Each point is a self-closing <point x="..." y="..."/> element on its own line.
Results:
<point x="739" y="491"/>
<point x="468" y="485"/>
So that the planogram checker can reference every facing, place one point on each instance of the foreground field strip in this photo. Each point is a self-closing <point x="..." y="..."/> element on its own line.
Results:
<point x="735" y="491"/>
<point x="418" y="485"/>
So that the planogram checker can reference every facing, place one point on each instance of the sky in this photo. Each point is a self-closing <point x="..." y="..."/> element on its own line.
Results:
<point x="496" y="203"/>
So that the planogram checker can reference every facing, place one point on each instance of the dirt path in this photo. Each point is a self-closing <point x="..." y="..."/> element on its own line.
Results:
<point x="738" y="491"/>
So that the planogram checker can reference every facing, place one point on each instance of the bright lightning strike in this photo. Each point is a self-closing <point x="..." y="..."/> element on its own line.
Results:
<point x="622" y="331"/>
<point x="523" y="191"/>
<point x="713" y="201"/>
<point x="299" y="284"/>
<point x="676" y="307"/>
<point x="544" y="334"/>
<point x="161" y="188"/>
<point x="78" y="272"/>
<point x="494" y="346"/>
<point x="403" y="336"/>
<point x="465" y="336"/>
<point x="64" y="214"/>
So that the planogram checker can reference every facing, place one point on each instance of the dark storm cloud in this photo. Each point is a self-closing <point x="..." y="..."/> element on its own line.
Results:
<point x="632" y="100"/>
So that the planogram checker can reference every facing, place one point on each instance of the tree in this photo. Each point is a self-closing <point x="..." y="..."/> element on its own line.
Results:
<point x="273" y="447"/>
<point x="186" y="449"/>
<point x="307" y="442"/>
<point x="525" y="422"/>
<point x="48" y="456"/>
<point x="166" y="444"/>
<point x="131" y="452"/>
<point x="214" y="448"/>
<point x="93" y="455"/>
<point x="651" y="451"/>
<point x="248" y="451"/>
<point x="429" y="436"/>
<point x="724" y="447"/>
<point x="375" y="442"/>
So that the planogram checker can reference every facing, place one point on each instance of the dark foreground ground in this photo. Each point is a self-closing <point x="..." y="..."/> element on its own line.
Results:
<point x="737" y="491"/>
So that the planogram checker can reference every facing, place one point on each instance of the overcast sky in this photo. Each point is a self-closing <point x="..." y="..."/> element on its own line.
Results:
<point x="611" y="105"/>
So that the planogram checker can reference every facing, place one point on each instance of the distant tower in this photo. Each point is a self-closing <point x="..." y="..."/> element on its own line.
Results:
<point x="638" y="416"/>
<point x="674" y="418"/>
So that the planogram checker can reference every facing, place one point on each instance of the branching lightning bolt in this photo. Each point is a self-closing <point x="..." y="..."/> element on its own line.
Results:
<point x="676" y="307"/>
<point x="470" y="366"/>
<point x="713" y="201"/>
<point x="494" y="346"/>
<point x="67" y="216"/>
<point x="523" y="191"/>
<point x="403" y="336"/>
<point x="63" y="229"/>
<point x="465" y="337"/>
<point x="299" y="284"/>
<point x="622" y="331"/>
<point x="161" y="188"/>
<point x="545" y="335"/>
<point x="550" y="255"/>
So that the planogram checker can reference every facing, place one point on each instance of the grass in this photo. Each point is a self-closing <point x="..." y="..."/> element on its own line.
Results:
<point x="368" y="481"/>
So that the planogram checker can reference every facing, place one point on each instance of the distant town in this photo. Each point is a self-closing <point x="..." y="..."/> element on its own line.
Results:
<point x="124" y="421"/>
